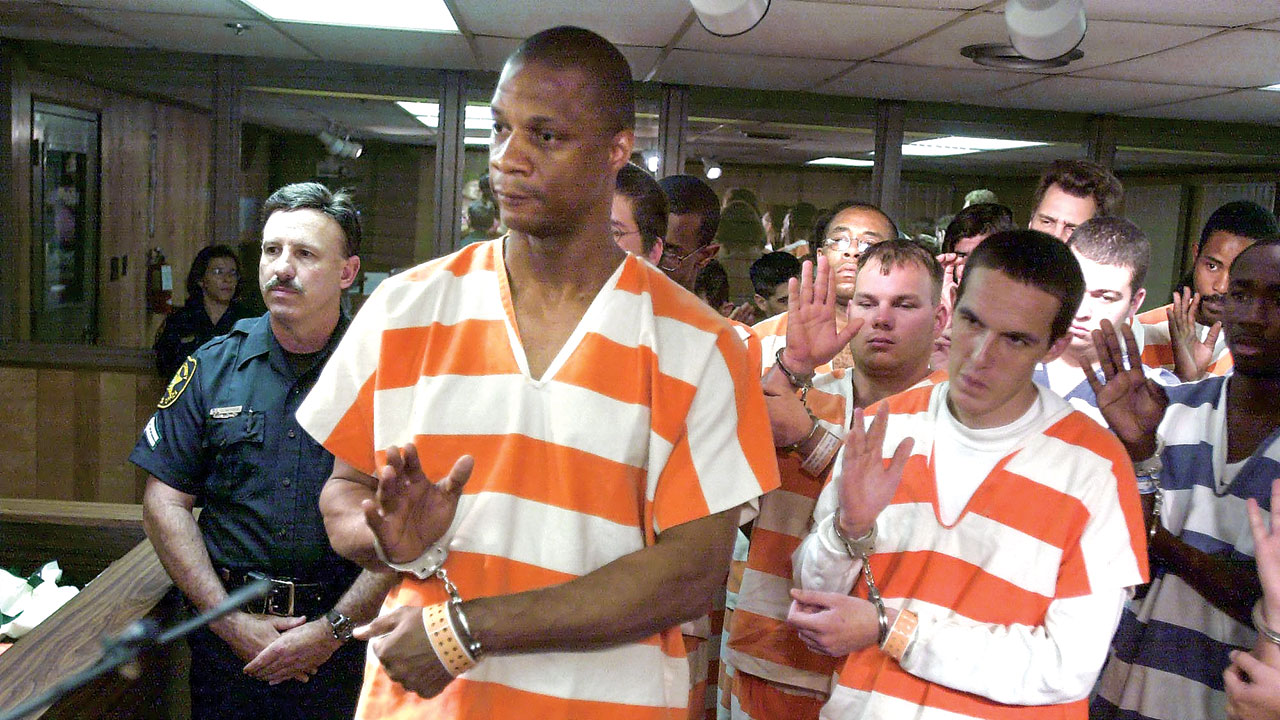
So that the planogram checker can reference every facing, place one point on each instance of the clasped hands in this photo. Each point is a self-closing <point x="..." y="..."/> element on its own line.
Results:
<point x="836" y="623"/>
<point x="407" y="514"/>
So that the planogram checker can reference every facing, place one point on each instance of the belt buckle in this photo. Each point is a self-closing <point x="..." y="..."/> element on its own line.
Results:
<point x="280" y="597"/>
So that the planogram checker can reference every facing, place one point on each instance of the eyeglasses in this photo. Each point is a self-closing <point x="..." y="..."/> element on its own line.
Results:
<point x="670" y="261"/>
<point x="619" y="233"/>
<point x="218" y="272"/>
<point x="843" y="244"/>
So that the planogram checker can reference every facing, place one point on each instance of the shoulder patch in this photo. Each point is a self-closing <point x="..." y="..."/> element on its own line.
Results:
<point x="179" y="383"/>
<point x="152" y="433"/>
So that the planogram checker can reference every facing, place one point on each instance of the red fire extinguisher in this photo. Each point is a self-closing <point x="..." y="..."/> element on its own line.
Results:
<point x="159" y="283"/>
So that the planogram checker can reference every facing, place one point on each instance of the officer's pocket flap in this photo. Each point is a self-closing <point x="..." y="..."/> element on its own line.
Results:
<point x="244" y="427"/>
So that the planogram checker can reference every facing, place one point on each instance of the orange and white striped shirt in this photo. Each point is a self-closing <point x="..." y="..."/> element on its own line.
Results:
<point x="1157" y="347"/>
<point x="646" y="419"/>
<point x="760" y="641"/>
<point x="1005" y="593"/>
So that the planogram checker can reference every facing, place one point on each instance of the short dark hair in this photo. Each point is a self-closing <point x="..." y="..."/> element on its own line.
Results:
<point x="1239" y="217"/>
<point x="741" y="194"/>
<point x="803" y="221"/>
<point x="1036" y="259"/>
<point x="977" y="219"/>
<point x="687" y="195"/>
<point x="824" y="220"/>
<point x="1114" y="241"/>
<point x="574" y="48"/>
<point x="480" y="215"/>
<point x="314" y="196"/>
<point x="200" y="265"/>
<point x="773" y="269"/>
<point x="740" y="227"/>
<point x="712" y="282"/>
<point x="648" y="204"/>
<point x="900" y="252"/>
<point x="1082" y="179"/>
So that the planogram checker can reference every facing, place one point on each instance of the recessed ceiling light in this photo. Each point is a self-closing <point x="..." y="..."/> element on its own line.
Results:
<point x="1274" y="88"/>
<point x="476" y="141"/>
<point x="1005" y="57"/>
<point x="841" y="162"/>
<point x="420" y="15"/>
<point x="957" y="145"/>
<point x="476" y="117"/>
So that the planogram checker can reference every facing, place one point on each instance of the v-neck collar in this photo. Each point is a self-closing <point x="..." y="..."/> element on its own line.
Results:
<point x="585" y="323"/>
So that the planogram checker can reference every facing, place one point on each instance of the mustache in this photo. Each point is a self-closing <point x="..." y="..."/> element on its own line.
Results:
<point x="1217" y="299"/>
<point x="290" y="284"/>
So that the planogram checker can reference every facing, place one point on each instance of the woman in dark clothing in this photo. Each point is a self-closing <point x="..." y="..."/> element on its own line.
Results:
<point x="210" y="309"/>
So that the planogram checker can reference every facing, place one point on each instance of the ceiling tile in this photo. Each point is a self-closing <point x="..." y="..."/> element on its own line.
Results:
<point x="383" y="47"/>
<point x="203" y="34"/>
<point x="1251" y="106"/>
<point x="1074" y="94"/>
<point x="913" y="82"/>
<point x="1216" y="13"/>
<point x="724" y="70"/>
<point x="804" y="29"/>
<point x="1104" y="42"/>
<point x="494" y="52"/>
<point x="208" y="8"/>
<point x="1270" y="26"/>
<point x="652" y="22"/>
<point x="29" y="21"/>
<point x="1238" y="58"/>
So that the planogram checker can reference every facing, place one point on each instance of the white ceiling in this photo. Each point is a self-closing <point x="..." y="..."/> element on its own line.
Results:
<point x="1174" y="59"/>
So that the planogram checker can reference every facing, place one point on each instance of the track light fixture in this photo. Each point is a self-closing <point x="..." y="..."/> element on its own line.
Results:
<point x="711" y="169"/>
<point x="652" y="160"/>
<point x="727" y="18"/>
<point x="343" y="147"/>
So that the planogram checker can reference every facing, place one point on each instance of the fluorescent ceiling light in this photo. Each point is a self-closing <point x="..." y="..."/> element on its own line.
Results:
<point x="419" y="15"/>
<point x="841" y="162"/>
<point x="476" y="141"/>
<point x="1275" y="88"/>
<point x="956" y="145"/>
<point x="476" y="117"/>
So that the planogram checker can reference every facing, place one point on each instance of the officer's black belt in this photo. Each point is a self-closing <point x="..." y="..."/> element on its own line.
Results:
<point x="287" y="596"/>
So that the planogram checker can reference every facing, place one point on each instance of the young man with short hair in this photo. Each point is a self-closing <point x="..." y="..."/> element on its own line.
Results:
<point x="549" y="439"/>
<point x="1070" y="192"/>
<point x="895" y="314"/>
<point x="769" y="277"/>
<point x="1185" y="335"/>
<point x="638" y="216"/>
<point x="1209" y="447"/>
<point x="1114" y="255"/>
<point x="999" y="528"/>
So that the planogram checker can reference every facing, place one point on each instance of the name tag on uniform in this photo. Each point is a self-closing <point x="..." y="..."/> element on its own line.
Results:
<point x="223" y="413"/>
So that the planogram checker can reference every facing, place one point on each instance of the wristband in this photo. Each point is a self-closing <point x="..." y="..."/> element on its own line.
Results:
<point x="449" y="648"/>
<point x="1261" y="626"/>
<point x="900" y="635"/>
<point x="422" y="567"/>
<point x="822" y="455"/>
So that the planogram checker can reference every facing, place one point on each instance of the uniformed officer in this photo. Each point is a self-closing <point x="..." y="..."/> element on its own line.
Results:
<point x="225" y="436"/>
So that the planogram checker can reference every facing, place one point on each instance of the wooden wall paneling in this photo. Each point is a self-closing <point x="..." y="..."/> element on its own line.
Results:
<point x="183" y="163"/>
<point x="18" y="438"/>
<point x="87" y="421"/>
<point x="118" y="427"/>
<point x="126" y="150"/>
<point x="389" y="207"/>
<point x="55" y="433"/>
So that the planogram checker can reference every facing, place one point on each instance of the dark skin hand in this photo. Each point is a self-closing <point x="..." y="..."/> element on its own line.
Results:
<point x="1133" y="406"/>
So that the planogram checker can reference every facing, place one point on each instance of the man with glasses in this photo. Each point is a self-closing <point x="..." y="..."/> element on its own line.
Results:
<point x="847" y="231"/>
<point x="693" y="216"/>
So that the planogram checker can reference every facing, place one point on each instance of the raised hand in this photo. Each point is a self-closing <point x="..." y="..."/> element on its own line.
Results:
<point x="866" y="485"/>
<point x="812" y="337"/>
<point x="1266" y="550"/>
<point x="1131" y="403"/>
<point x="952" y="270"/>
<point x="745" y="313"/>
<point x="1191" y="355"/>
<point x="409" y="512"/>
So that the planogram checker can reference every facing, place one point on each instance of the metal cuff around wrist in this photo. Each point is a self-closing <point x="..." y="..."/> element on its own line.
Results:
<point x="796" y="380"/>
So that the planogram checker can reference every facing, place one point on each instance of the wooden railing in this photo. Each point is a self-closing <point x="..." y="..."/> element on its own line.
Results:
<point x="133" y="586"/>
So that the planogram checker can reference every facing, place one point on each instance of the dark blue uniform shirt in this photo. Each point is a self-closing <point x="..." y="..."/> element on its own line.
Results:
<point x="225" y="432"/>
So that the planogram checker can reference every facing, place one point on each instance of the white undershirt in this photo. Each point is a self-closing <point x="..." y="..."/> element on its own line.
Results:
<point x="965" y="457"/>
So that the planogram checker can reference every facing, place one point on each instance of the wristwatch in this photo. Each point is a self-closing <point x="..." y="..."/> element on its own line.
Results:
<point x="341" y="624"/>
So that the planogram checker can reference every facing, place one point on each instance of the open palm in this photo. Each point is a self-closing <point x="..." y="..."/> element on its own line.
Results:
<point x="409" y="512"/>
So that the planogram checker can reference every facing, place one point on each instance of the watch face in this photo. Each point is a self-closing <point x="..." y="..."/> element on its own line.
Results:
<point x="342" y="625"/>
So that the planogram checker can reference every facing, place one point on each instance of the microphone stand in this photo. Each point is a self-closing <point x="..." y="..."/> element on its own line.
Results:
<point x="139" y="636"/>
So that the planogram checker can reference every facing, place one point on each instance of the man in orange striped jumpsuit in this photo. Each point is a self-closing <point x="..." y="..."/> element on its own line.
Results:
<point x="1185" y="336"/>
<point x="896" y="313"/>
<point x="1001" y="528"/>
<point x="548" y="438"/>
